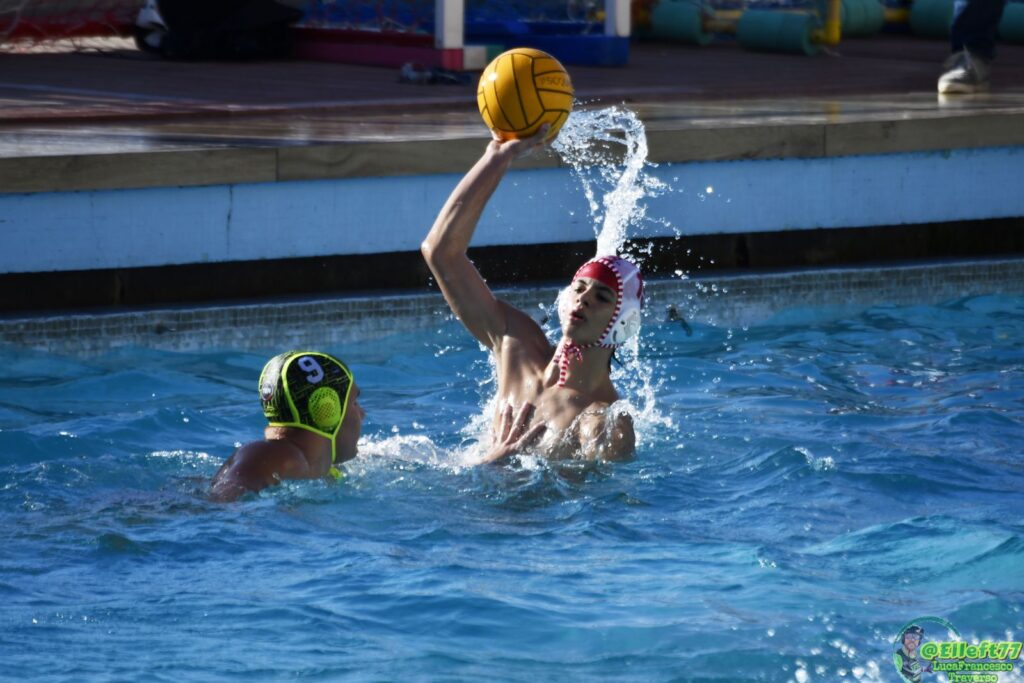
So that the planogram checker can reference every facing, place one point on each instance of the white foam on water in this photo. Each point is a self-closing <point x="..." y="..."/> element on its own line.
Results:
<point x="418" y="449"/>
<point x="824" y="463"/>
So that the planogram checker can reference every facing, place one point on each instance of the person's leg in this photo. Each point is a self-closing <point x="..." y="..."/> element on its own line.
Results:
<point x="974" y="27"/>
<point x="973" y="43"/>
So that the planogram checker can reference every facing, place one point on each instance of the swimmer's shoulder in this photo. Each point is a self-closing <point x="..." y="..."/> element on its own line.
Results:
<point x="257" y="465"/>
<point x="606" y="432"/>
<point x="523" y="332"/>
<point x="279" y="451"/>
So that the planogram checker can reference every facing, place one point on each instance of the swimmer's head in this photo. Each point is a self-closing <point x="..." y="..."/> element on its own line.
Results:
<point x="316" y="392"/>
<point x="912" y="637"/>
<point x="602" y="305"/>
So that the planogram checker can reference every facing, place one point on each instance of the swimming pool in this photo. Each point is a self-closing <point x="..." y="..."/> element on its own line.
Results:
<point x="805" y="485"/>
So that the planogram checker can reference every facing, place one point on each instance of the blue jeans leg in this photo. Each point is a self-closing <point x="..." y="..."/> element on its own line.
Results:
<point x="974" y="26"/>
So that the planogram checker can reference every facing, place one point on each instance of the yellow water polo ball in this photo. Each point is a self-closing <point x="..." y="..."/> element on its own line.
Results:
<point x="521" y="90"/>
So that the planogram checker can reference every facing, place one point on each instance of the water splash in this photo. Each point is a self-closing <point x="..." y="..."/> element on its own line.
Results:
<point x="607" y="150"/>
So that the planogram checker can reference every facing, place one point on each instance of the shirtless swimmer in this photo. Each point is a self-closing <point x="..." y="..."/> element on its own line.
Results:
<point x="564" y="390"/>
<point x="311" y="402"/>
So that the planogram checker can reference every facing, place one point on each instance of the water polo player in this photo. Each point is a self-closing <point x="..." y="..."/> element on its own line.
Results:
<point x="564" y="390"/>
<point x="311" y="402"/>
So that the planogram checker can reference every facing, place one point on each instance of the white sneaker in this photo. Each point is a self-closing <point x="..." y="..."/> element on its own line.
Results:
<point x="964" y="74"/>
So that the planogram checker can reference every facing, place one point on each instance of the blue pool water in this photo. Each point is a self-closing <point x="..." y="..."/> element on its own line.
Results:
<point x="802" y="489"/>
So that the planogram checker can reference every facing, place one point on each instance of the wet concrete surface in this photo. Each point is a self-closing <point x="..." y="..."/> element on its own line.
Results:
<point x="120" y="101"/>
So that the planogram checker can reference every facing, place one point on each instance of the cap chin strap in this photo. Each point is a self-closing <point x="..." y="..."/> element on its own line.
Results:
<point x="569" y="351"/>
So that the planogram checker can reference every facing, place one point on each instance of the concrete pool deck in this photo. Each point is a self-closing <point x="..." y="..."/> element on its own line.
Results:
<point x="116" y="119"/>
<point x="82" y="127"/>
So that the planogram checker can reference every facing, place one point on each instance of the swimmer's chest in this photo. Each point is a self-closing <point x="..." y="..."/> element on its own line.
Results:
<point x="574" y="427"/>
<point x="556" y="406"/>
<point x="521" y="379"/>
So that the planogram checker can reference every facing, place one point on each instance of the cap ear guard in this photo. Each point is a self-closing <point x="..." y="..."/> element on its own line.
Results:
<point x="630" y="299"/>
<point x="324" y="407"/>
<point x="625" y="328"/>
<point x="563" y="303"/>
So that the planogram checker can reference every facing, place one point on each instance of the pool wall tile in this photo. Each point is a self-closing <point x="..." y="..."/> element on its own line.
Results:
<point x="719" y="300"/>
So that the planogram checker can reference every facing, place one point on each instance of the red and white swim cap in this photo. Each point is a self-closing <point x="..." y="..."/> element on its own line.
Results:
<point x="624" y="278"/>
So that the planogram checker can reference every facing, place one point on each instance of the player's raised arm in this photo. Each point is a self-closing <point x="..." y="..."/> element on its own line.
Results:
<point x="445" y="245"/>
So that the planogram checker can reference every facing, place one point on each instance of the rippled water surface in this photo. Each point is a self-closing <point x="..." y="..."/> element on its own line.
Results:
<point x="802" y="489"/>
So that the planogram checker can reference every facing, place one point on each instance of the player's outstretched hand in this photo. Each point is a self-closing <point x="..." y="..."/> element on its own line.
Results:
<point x="521" y="147"/>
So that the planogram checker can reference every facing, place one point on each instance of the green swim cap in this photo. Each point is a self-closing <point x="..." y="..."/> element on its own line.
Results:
<point x="308" y="390"/>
